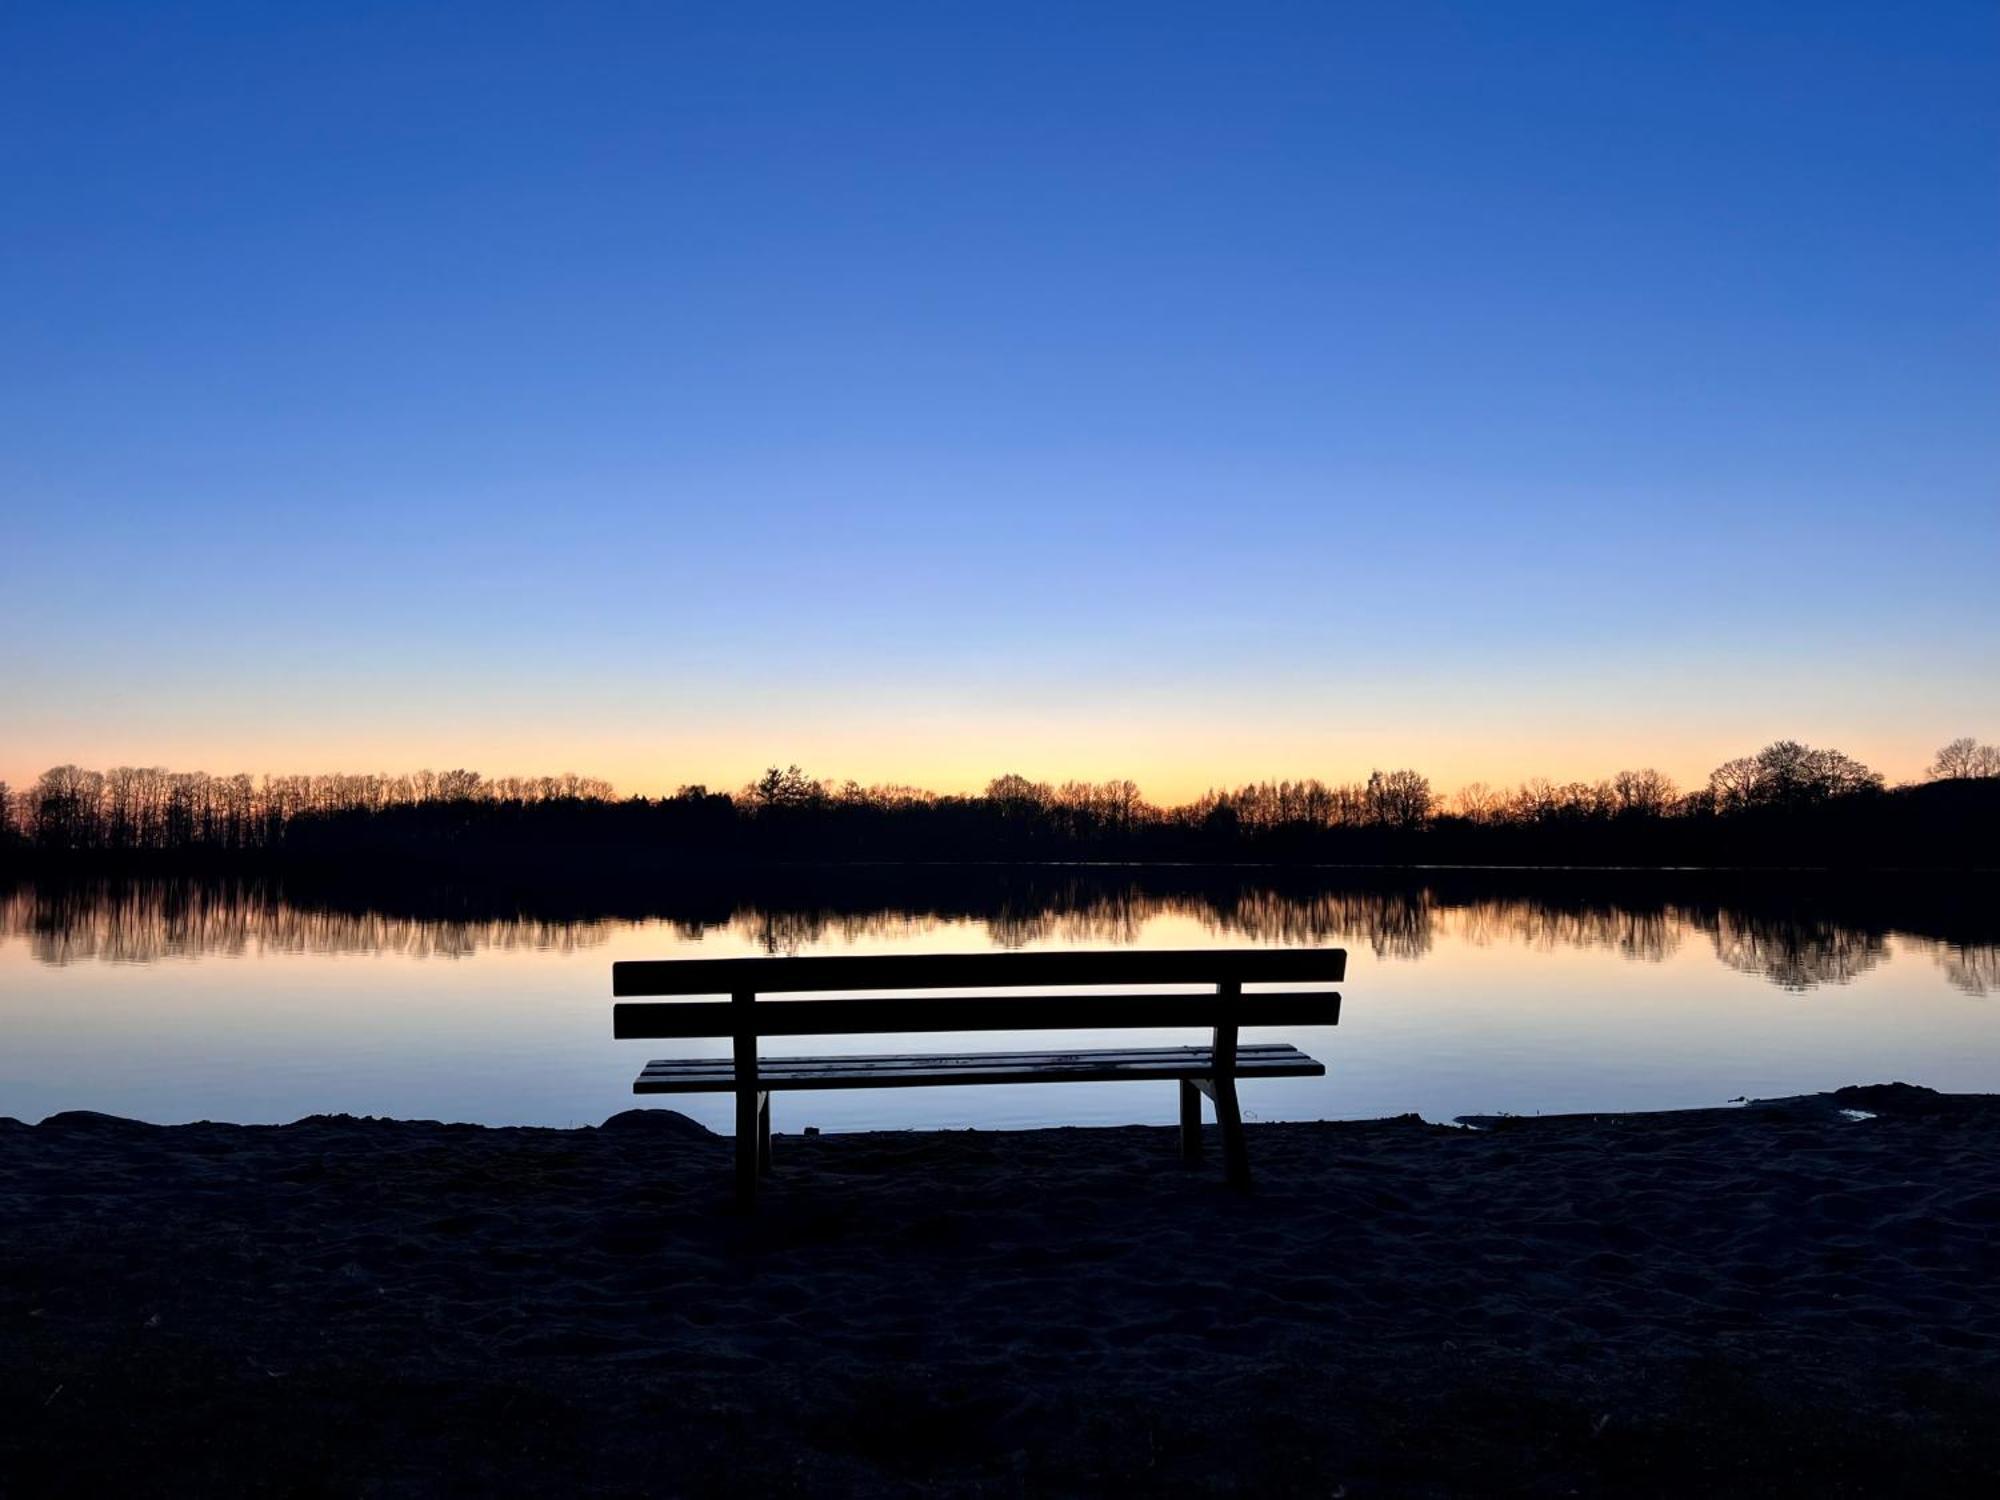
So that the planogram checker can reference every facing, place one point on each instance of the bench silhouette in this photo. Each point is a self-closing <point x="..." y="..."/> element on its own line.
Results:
<point x="746" y="1016"/>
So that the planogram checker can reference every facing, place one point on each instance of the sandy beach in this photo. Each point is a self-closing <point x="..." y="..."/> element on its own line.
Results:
<point x="1780" y="1298"/>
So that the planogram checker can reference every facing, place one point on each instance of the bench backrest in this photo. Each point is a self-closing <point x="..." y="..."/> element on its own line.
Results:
<point x="1223" y="1005"/>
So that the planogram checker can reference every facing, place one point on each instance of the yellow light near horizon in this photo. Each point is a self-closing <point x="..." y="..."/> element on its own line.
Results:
<point x="1169" y="767"/>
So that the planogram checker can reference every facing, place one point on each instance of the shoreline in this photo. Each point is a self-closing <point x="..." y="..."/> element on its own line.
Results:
<point x="1884" y="1097"/>
<point x="1771" y="1298"/>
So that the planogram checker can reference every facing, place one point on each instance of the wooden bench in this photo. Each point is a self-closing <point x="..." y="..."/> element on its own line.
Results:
<point x="744" y="1017"/>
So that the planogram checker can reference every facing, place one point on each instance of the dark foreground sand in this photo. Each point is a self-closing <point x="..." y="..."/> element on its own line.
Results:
<point x="1771" y="1300"/>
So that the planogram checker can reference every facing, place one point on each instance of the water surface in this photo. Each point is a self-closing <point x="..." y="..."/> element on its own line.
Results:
<point x="172" y="1000"/>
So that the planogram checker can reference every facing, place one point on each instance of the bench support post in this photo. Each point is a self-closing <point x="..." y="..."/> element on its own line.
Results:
<point x="749" y="1110"/>
<point x="1228" y="1113"/>
<point x="1190" y="1122"/>
<point x="764" y="1134"/>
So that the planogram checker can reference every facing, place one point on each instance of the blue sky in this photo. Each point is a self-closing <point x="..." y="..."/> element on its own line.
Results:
<point x="921" y="392"/>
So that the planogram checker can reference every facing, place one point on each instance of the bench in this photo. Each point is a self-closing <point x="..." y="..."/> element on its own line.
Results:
<point x="747" y="1015"/>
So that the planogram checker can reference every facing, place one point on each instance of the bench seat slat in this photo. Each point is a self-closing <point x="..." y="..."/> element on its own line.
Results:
<point x="718" y="1075"/>
<point x="1191" y="1053"/>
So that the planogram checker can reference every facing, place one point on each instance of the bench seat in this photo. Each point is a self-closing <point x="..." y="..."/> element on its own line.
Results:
<point x="704" y="1075"/>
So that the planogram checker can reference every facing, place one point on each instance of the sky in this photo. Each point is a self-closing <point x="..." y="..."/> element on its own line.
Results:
<point x="1195" y="393"/>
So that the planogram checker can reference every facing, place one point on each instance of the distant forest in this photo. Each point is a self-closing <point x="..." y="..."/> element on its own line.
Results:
<point x="1788" y="804"/>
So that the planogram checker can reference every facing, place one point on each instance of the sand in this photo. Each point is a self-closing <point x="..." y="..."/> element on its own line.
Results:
<point x="1775" y="1299"/>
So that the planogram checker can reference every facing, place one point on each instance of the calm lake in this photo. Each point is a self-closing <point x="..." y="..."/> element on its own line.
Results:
<point x="172" y="1000"/>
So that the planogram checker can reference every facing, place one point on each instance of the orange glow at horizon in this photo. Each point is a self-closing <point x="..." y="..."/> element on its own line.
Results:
<point x="1167" y="772"/>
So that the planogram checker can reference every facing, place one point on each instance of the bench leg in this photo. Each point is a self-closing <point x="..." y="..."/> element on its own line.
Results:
<point x="1190" y="1122"/>
<point x="747" y="1112"/>
<point x="764" y="1134"/>
<point x="751" y="1121"/>
<point x="1229" y="1115"/>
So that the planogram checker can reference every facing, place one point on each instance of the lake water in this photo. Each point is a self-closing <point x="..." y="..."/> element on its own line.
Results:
<point x="174" y="1000"/>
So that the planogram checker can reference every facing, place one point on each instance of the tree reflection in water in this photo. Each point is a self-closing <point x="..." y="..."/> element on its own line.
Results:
<point x="1797" y="954"/>
<point x="1795" y="946"/>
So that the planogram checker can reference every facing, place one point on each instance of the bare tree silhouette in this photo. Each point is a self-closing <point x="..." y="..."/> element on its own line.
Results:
<point x="1965" y="759"/>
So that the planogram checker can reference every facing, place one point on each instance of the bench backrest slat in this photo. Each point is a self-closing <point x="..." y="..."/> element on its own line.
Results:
<point x="697" y="1018"/>
<point x="936" y="971"/>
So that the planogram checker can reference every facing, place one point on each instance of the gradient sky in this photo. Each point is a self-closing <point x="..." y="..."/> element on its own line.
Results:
<point x="917" y="392"/>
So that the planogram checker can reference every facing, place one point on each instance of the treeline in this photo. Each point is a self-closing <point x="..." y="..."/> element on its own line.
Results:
<point x="1789" y="803"/>
<point x="150" y="808"/>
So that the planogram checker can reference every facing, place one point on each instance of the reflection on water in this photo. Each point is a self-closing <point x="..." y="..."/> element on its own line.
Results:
<point x="1468" y="991"/>
<point x="142" y="921"/>
<point x="1794" y="947"/>
<point x="1797" y="954"/>
<point x="1974" y="969"/>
